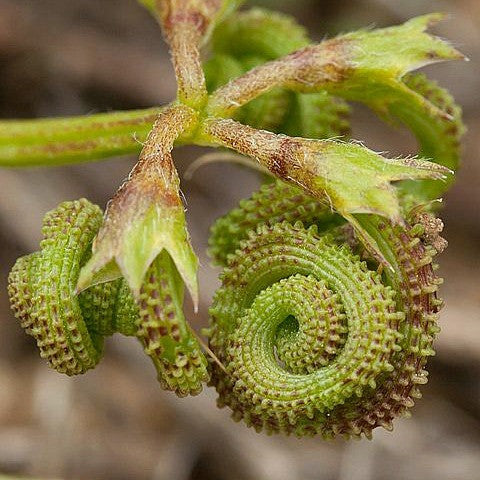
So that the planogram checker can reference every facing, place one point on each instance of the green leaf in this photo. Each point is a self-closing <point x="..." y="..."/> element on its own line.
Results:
<point x="358" y="180"/>
<point x="369" y="66"/>
<point x="376" y="62"/>
<point x="382" y="60"/>
<point x="365" y="66"/>
<point x="400" y="49"/>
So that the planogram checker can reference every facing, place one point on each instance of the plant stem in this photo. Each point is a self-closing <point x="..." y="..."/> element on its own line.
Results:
<point x="310" y="68"/>
<point x="66" y="140"/>
<point x="185" y="23"/>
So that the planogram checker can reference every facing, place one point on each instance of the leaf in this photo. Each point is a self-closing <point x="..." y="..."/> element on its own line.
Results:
<point x="358" y="180"/>
<point x="365" y="64"/>
<point x="375" y="63"/>
<point x="369" y="66"/>
<point x="382" y="59"/>
<point x="400" y="49"/>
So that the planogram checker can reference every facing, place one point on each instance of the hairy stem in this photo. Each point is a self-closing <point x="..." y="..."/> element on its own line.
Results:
<point x="185" y="23"/>
<point x="66" y="140"/>
<point x="312" y="65"/>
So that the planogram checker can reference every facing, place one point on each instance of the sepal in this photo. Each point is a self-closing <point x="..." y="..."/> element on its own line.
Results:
<point x="146" y="216"/>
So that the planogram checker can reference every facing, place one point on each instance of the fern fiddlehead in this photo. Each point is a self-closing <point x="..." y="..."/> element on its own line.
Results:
<point x="328" y="306"/>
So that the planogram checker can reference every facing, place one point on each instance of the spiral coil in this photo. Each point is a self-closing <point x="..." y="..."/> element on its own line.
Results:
<point x="70" y="329"/>
<point x="314" y="341"/>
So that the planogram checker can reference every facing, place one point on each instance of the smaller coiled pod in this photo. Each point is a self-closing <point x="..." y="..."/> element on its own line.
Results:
<point x="70" y="329"/>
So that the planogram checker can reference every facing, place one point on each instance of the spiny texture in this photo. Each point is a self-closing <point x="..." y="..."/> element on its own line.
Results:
<point x="42" y="289"/>
<point x="70" y="329"/>
<point x="273" y="203"/>
<point x="315" y="342"/>
<point x="163" y="331"/>
<point x="295" y="296"/>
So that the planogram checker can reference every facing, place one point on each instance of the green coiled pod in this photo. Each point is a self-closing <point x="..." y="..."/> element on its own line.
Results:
<point x="166" y="336"/>
<point x="42" y="289"/>
<point x="273" y="203"/>
<point x="70" y="328"/>
<point x="315" y="342"/>
<point x="312" y="331"/>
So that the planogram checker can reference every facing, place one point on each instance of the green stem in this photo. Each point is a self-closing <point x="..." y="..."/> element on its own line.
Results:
<point x="66" y="140"/>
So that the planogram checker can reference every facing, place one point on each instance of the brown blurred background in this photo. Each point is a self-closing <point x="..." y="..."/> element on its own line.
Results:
<point x="61" y="57"/>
